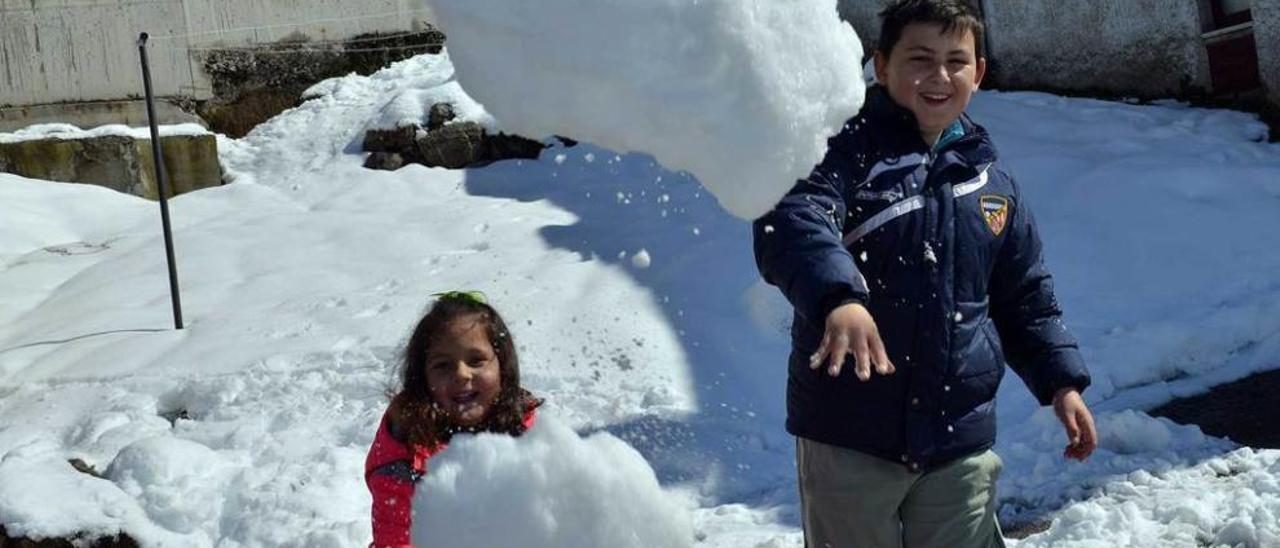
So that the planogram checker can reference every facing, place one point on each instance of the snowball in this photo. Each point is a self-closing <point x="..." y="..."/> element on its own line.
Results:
<point x="547" y="489"/>
<point x="743" y="94"/>
<point x="641" y="259"/>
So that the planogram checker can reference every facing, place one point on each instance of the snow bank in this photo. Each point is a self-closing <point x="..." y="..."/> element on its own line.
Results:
<point x="741" y="93"/>
<point x="412" y="87"/>
<point x="549" y="488"/>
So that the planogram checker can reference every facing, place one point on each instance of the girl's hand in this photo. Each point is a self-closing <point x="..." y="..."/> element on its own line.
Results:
<point x="1078" y="422"/>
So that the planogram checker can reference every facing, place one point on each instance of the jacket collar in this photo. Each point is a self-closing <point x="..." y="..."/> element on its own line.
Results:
<point x="897" y="124"/>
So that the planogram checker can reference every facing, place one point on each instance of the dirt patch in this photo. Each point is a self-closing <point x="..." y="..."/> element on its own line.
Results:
<point x="1025" y="530"/>
<point x="118" y="541"/>
<point x="1244" y="410"/>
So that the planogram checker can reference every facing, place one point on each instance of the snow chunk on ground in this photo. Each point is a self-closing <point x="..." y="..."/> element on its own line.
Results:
<point x="549" y="488"/>
<point x="1232" y="500"/>
<point x="1038" y="477"/>
<point x="743" y="94"/>
<point x="67" y="131"/>
<point x="41" y="496"/>
<point x="178" y="482"/>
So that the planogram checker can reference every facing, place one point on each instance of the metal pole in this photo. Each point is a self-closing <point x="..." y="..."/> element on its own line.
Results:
<point x="162" y="182"/>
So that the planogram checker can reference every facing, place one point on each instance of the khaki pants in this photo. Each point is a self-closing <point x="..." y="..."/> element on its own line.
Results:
<point x="853" y="500"/>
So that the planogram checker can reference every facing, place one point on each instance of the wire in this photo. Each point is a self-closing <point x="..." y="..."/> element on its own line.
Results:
<point x="317" y="44"/>
<point x="117" y="3"/>
<point x="294" y="51"/>
<point x="286" y="25"/>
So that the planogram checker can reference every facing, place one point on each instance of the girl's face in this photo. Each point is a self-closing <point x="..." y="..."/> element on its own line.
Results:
<point x="463" y="373"/>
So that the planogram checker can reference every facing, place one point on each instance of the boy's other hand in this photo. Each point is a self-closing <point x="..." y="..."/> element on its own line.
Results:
<point x="1078" y="421"/>
<point x="850" y="330"/>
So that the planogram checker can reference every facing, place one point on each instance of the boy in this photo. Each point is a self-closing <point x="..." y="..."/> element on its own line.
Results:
<point x="913" y="250"/>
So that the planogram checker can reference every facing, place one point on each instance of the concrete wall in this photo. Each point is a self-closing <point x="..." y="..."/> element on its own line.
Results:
<point x="1139" y="47"/>
<point x="54" y="51"/>
<point x="1266" y="31"/>
<point x="120" y="163"/>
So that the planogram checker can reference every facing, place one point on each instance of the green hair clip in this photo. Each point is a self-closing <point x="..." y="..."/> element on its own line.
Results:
<point x="469" y="296"/>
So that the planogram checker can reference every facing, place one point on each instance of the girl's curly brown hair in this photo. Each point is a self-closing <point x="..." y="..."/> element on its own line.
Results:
<point x="416" y="418"/>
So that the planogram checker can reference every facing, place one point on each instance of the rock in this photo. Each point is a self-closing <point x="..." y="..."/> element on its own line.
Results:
<point x="85" y="468"/>
<point x="390" y="140"/>
<point x="467" y="144"/>
<point x="439" y="115"/>
<point x="386" y="161"/>
<point x="455" y="145"/>
<point x="506" y="147"/>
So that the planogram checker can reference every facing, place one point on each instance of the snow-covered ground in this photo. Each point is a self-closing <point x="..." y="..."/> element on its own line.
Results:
<point x="302" y="277"/>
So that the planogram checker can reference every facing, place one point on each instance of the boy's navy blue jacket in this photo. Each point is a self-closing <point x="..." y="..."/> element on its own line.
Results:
<point x="940" y="245"/>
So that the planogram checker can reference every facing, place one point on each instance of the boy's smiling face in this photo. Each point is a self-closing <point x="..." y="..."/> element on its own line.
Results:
<point x="933" y="74"/>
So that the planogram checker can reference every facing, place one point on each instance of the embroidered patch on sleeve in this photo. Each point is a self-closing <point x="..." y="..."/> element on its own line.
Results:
<point x="995" y="210"/>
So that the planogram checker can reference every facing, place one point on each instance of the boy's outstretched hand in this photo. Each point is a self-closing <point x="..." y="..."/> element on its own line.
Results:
<point x="850" y="330"/>
<point x="1078" y="421"/>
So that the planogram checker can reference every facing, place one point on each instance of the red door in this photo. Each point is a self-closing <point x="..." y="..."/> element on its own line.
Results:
<point x="1233" y="53"/>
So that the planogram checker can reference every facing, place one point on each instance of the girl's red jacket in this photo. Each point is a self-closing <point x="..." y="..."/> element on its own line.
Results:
<point x="391" y="470"/>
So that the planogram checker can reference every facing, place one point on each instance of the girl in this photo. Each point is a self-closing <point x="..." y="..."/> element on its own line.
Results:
<point x="460" y="374"/>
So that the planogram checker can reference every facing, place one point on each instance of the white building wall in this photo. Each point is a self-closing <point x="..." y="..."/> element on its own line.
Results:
<point x="1266" y="32"/>
<point x="54" y="51"/>
<point x="1141" y="47"/>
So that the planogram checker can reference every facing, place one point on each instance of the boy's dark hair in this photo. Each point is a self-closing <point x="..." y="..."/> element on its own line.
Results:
<point x="416" y="418"/>
<point x="953" y="15"/>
